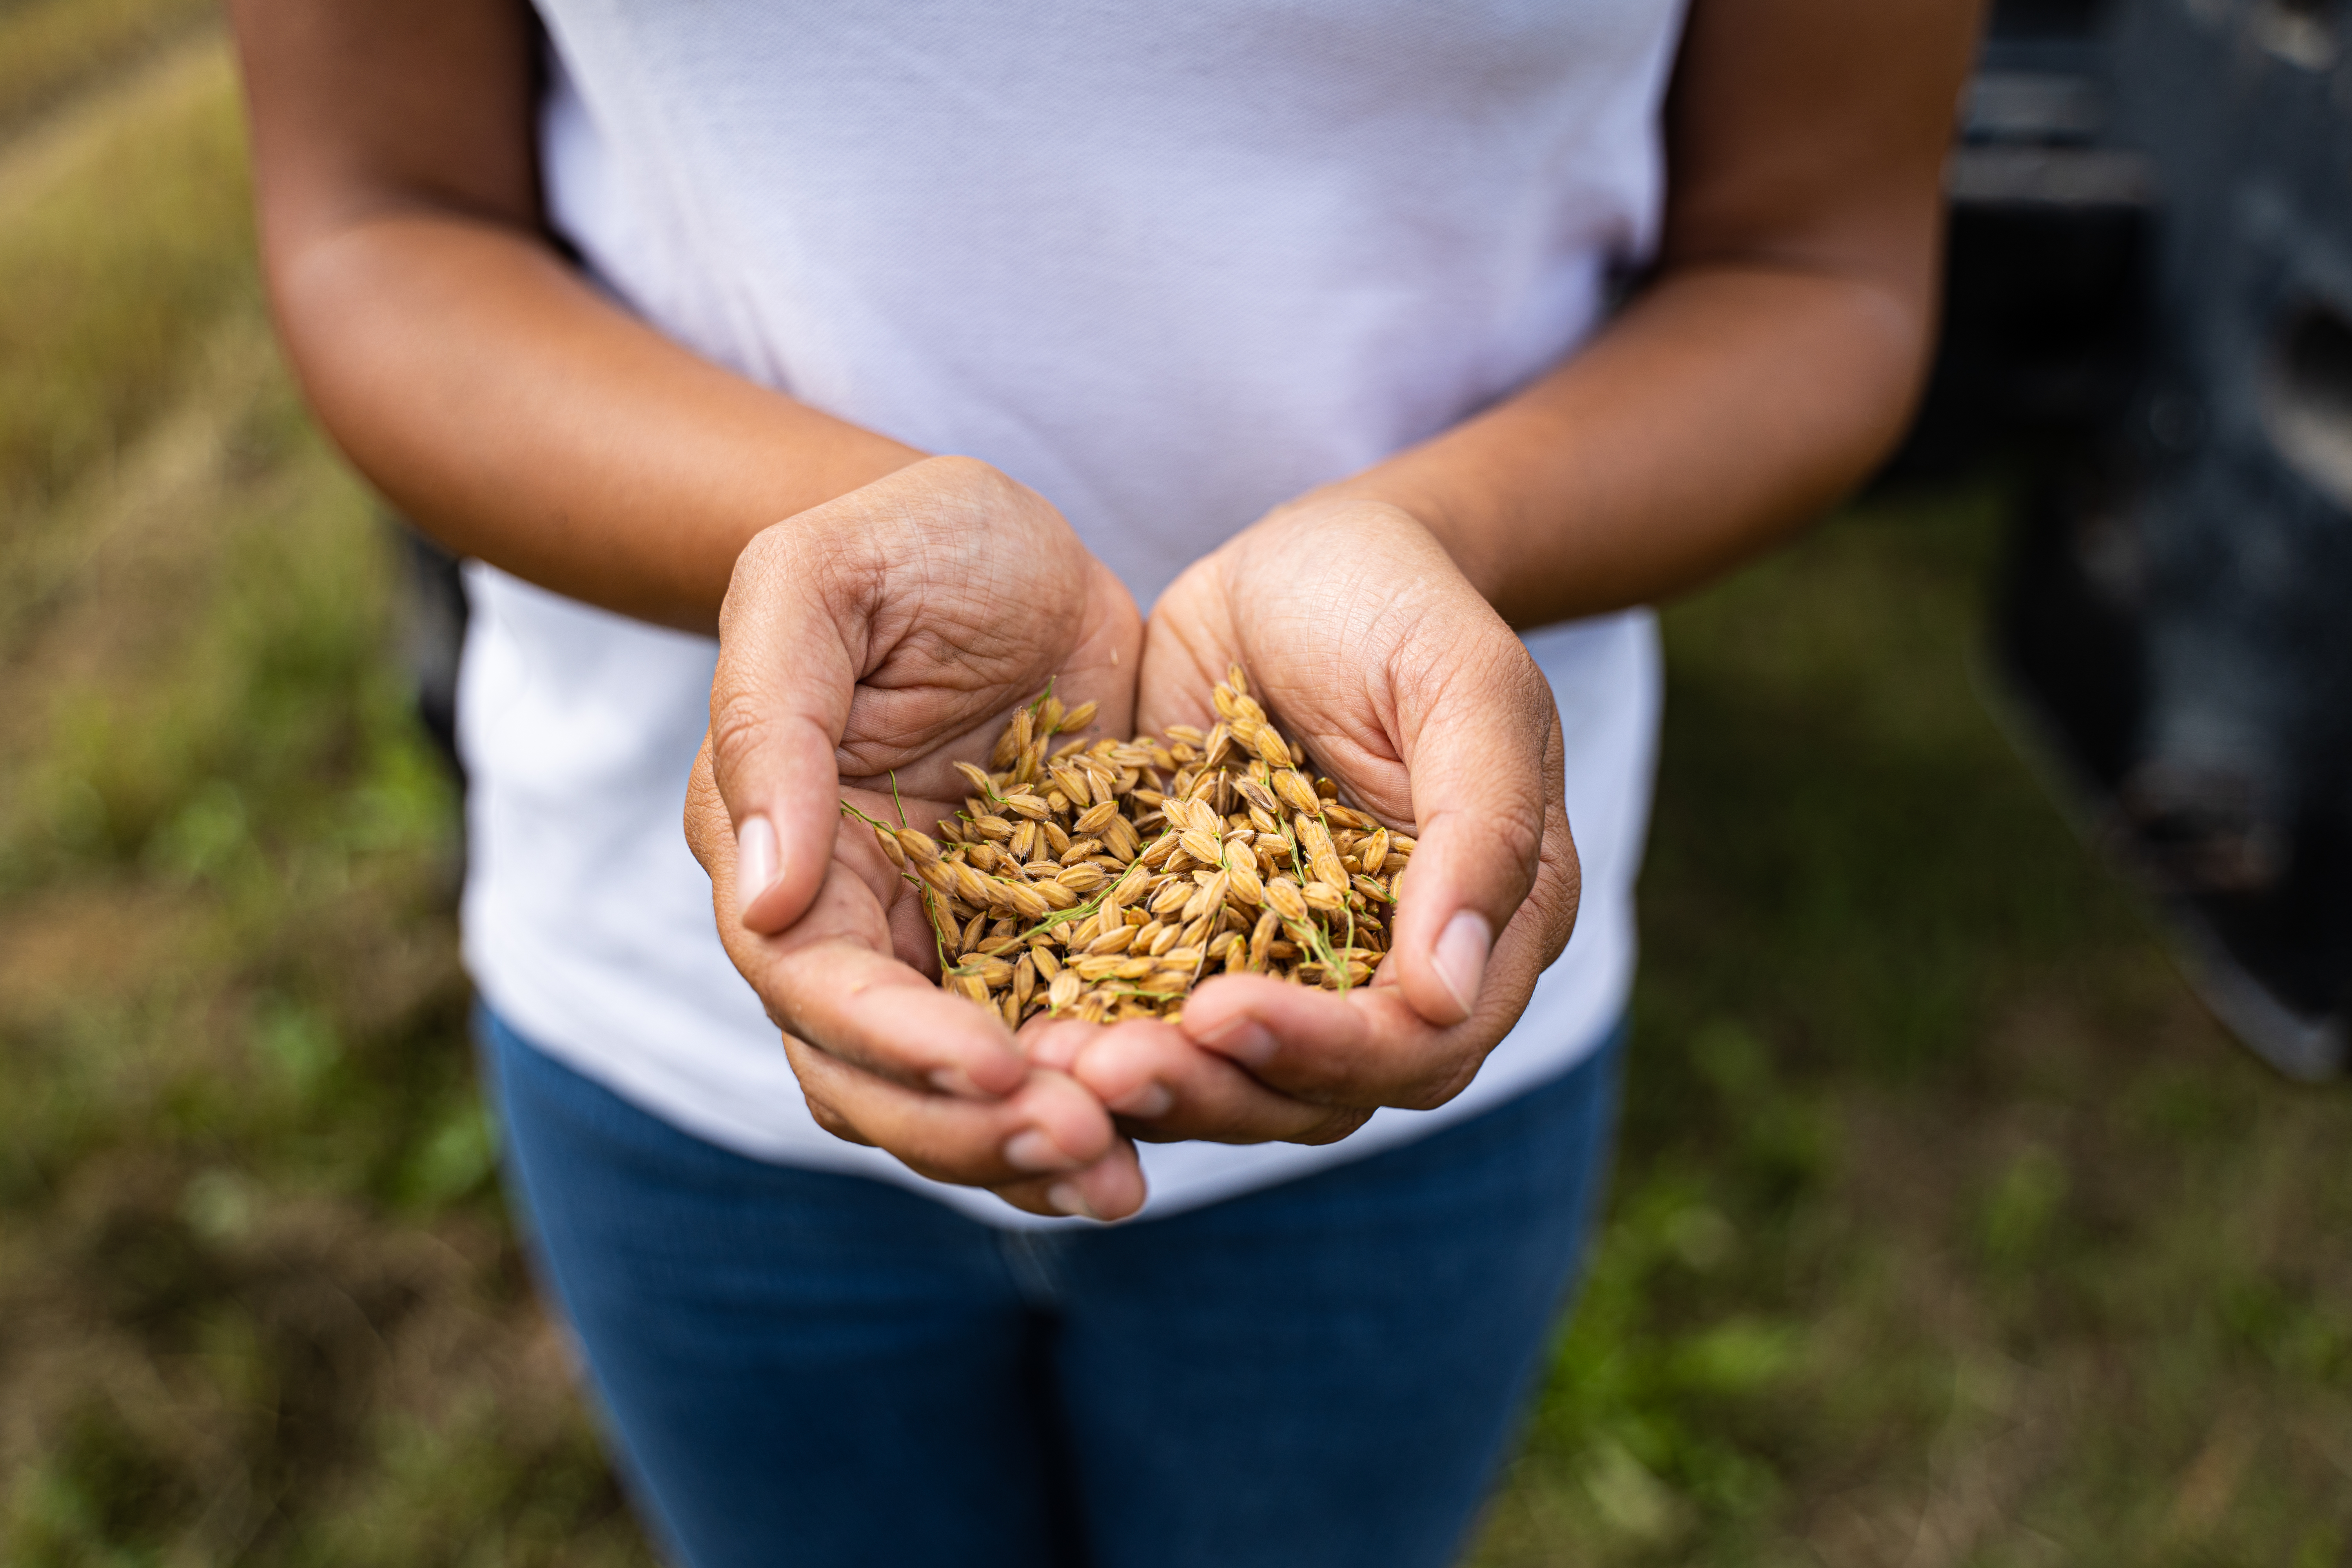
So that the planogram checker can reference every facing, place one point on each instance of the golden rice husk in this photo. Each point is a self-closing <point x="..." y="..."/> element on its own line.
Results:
<point x="1102" y="879"/>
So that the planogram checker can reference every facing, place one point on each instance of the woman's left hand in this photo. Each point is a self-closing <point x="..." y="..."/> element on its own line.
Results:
<point x="1368" y="646"/>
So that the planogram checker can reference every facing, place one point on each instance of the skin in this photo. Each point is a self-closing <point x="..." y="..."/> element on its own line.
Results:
<point x="1420" y="700"/>
<point x="862" y="652"/>
<point x="1769" y="361"/>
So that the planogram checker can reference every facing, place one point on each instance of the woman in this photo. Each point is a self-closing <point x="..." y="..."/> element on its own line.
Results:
<point x="654" y="310"/>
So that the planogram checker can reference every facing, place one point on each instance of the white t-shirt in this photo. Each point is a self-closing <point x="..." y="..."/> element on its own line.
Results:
<point x="1169" y="266"/>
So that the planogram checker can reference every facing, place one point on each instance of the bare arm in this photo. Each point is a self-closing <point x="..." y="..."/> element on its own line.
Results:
<point x="525" y="419"/>
<point x="513" y="410"/>
<point x="1776" y="355"/>
<point x="1769" y="364"/>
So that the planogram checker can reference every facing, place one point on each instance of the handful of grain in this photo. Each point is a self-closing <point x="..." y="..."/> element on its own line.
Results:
<point x="1103" y="881"/>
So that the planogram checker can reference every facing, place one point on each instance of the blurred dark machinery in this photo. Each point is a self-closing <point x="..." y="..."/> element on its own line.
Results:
<point x="2150" y="309"/>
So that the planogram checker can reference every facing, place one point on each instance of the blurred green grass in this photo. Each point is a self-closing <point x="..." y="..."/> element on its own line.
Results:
<point x="257" y="1301"/>
<point x="122" y="243"/>
<point x="1948" y="1229"/>
<point x="49" y="50"/>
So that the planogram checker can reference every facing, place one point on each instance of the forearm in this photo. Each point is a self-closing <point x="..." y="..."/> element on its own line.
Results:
<point x="1776" y="357"/>
<point x="1723" y="409"/>
<point x="521" y="418"/>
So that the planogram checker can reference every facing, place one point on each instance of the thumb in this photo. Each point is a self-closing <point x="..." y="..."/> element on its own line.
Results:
<point x="779" y="705"/>
<point x="1475" y="735"/>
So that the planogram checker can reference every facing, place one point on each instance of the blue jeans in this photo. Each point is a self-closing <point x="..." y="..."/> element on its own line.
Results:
<point x="808" y="1368"/>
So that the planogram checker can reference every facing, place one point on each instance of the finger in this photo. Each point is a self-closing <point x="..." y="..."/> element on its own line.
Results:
<point x="877" y="1013"/>
<point x="711" y="836"/>
<point x="830" y="977"/>
<point x="1478" y="729"/>
<point x="779" y="703"/>
<point x="1371" y="1047"/>
<point x="1111" y="1188"/>
<point x="1166" y="1088"/>
<point x="1047" y="1131"/>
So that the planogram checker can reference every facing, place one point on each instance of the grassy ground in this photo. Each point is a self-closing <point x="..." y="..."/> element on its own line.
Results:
<point x="1947" y="1230"/>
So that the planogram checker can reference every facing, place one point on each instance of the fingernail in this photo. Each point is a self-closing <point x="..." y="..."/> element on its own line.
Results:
<point x="1030" y="1150"/>
<point x="1244" y="1039"/>
<point x="1461" y="956"/>
<point x="1150" y="1102"/>
<point x="755" y="860"/>
<point x="1065" y="1199"/>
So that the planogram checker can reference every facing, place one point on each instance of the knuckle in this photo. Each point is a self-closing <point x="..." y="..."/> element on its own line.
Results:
<point x="1339" y="1124"/>
<point x="764" y="567"/>
<point x="1436" y="1087"/>
<point x="1308" y="1075"/>
<point x="1517" y="828"/>
<point x="957" y="1169"/>
<point x="1561" y="887"/>
<point x="810" y="566"/>
<point x="740" y="722"/>
<point x="959" y="498"/>
<point x="955" y="470"/>
<point x="761" y="562"/>
<point x="1520" y="682"/>
<point x="705" y="810"/>
<point x="828" y="1117"/>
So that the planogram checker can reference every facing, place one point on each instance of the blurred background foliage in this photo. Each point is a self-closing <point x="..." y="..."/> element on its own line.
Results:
<point x="1947" y="1230"/>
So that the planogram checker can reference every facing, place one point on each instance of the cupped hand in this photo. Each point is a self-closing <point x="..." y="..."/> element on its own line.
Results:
<point x="1367" y="645"/>
<point x="866" y="646"/>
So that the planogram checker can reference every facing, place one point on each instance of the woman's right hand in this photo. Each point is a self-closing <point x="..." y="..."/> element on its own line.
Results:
<point x="866" y="646"/>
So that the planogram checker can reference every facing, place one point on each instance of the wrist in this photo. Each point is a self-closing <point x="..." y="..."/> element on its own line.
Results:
<point x="848" y="535"/>
<point x="1335" y="538"/>
<point x="1445" y="507"/>
<point x="837" y="549"/>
